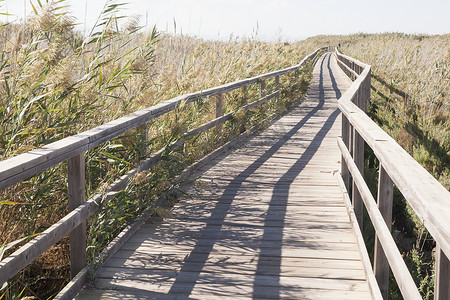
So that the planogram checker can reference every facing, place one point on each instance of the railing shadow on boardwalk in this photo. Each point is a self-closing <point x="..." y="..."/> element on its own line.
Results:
<point x="276" y="211"/>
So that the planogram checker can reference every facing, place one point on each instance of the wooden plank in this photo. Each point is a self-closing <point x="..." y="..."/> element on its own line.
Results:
<point x="226" y="284"/>
<point x="385" y="202"/>
<point x="162" y="277"/>
<point x="76" y="197"/>
<point x="246" y="263"/>
<point x="291" y="224"/>
<point x="219" y="258"/>
<point x="232" y="250"/>
<point x="307" y="270"/>
<point x="220" y="290"/>
<point x="222" y="232"/>
<point x="225" y="234"/>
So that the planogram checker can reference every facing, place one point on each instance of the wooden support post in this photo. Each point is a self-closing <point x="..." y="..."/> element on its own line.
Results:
<point x="77" y="196"/>
<point x="362" y="97"/>
<point x="442" y="276"/>
<point x="358" y="157"/>
<point x="245" y="94"/>
<point x="219" y="111"/>
<point x="143" y="138"/>
<point x="385" y="200"/>
<point x="219" y="105"/>
<point x="366" y="88"/>
<point x="345" y="132"/>
<point x="350" y="149"/>
<point x="277" y="88"/>
<point x="263" y="87"/>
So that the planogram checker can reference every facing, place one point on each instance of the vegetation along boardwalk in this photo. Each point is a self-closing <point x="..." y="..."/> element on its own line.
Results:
<point x="266" y="221"/>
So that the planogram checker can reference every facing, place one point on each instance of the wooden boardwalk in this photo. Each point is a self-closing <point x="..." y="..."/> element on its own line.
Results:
<point x="266" y="221"/>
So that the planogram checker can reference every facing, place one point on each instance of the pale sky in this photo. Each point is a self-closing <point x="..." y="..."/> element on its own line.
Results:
<point x="285" y="19"/>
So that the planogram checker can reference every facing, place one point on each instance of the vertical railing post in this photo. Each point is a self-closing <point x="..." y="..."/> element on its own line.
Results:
<point x="358" y="157"/>
<point x="219" y="111"/>
<point x="219" y="106"/>
<point x="366" y="88"/>
<point x="345" y="132"/>
<point x="277" y="88"/>
<point x="143" y="138"/>
<point x="245" y="94"/>
<point x="76" y="190"/>
<point x="262" y="82"/>
<point x="385" y="201"/>
<point x="442" y="276"/>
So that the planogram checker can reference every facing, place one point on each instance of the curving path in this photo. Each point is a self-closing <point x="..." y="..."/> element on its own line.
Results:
<point x="266" y="221"/>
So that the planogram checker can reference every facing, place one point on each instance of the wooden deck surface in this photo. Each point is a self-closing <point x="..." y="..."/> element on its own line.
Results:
<point x="266" y="221"/>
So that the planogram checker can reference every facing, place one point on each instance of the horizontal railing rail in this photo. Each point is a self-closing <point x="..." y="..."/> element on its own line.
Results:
<point x="428" y="198"/>
<point x="72" y="149"/>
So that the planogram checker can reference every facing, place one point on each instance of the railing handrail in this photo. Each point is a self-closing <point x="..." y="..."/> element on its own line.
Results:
<point x="23" y="166"/>
<point x="428" y="198"/>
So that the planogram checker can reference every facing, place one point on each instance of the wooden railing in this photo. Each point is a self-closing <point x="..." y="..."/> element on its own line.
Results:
<point x="428" y="198"/>
<point x="72" y="149"/>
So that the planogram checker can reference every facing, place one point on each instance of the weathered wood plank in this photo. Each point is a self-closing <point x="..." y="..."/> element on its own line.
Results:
<point x="235" y="285"/>
<point x="303" y="270"/>
<point x="220" y="258"/>
<point x="218" y="291"/>
<point x="245" y="264"/>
